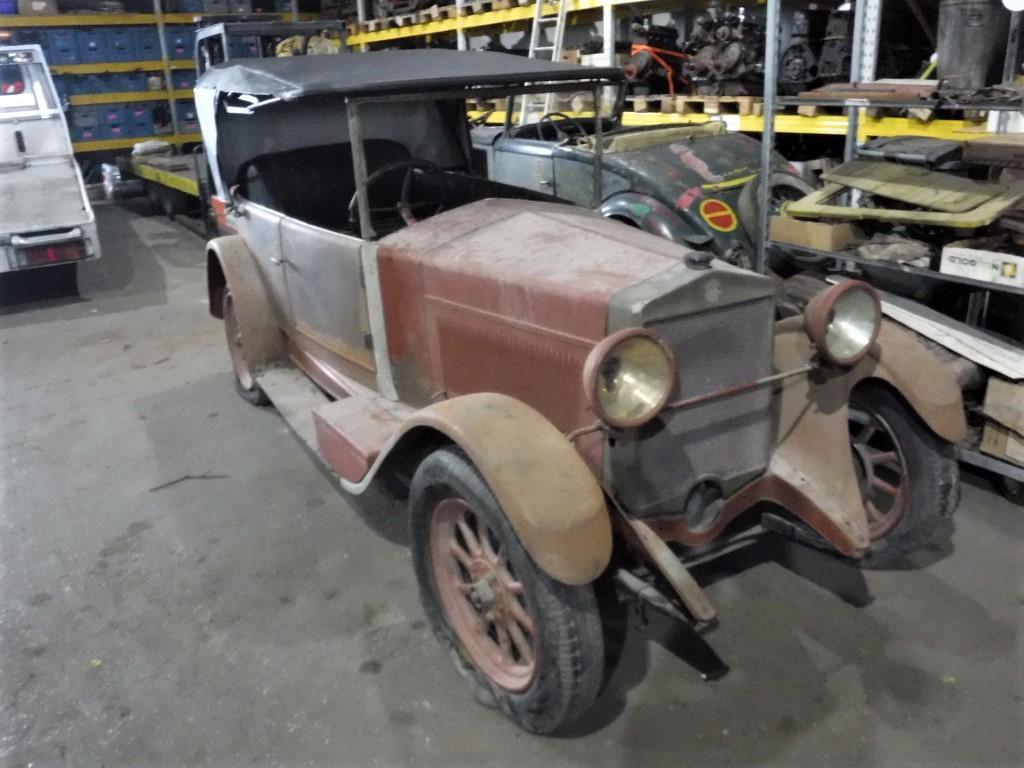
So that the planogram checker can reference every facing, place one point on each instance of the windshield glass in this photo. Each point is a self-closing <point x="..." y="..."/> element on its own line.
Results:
<point x="24" y="89"/>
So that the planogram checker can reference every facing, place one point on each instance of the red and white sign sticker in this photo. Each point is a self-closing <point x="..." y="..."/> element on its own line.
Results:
<point x="718" y="215"/>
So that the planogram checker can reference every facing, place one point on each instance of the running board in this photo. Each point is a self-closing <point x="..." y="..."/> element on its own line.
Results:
<point x="295" y="397"/>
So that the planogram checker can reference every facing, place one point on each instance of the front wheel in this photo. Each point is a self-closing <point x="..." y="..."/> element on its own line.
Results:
<point x="526" y="643"/>
<point x="908" y="476"/>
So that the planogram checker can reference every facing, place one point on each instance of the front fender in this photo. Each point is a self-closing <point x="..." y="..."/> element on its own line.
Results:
<point x="230" y="263"/>
<point x="551" y="498"/>
<point x="648" y="214"/>
<point x="811" y="471"/>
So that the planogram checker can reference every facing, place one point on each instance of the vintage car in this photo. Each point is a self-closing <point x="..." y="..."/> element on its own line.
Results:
<point x="543" y="388"/>
<point x="45" y="216"/>
<point x="695" y="185"/>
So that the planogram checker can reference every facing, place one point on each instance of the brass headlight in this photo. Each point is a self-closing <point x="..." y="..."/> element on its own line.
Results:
<point x="843" y="321"/>
<point x="628" y="377"/>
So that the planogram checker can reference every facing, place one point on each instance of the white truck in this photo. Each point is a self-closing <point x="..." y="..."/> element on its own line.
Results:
<point x="45" y="215"/>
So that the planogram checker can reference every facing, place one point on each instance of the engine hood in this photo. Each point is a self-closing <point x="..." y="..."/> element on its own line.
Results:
<point x="510" y="296"/>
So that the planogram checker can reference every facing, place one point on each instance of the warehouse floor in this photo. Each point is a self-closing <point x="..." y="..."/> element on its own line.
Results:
<point x="182" y="585"/>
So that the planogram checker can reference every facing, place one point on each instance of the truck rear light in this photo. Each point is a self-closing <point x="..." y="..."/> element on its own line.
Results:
<point x="55" y="253"/>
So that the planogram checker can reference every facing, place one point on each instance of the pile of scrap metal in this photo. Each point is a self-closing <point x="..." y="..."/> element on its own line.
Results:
<point x="726" y="53"/>
<point x="656" y="61"/>
<point x="919" y="98"/>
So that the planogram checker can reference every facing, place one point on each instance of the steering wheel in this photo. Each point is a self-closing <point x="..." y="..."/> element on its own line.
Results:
<point x="549" y="119"/>
<point x="404" y="207"/>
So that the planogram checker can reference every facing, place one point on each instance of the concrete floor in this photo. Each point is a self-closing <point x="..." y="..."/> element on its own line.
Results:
<point x="183" y="586"/>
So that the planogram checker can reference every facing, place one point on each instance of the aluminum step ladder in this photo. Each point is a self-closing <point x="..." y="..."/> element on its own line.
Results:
<point x="547" y="17"/>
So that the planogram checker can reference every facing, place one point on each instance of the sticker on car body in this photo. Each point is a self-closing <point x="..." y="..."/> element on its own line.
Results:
<point x="718" y="215"/>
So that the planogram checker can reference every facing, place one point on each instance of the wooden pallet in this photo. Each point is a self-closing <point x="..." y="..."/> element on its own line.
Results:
<point x="706" y="105"/>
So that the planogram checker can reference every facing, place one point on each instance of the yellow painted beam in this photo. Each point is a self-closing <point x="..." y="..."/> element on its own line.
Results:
<point x="119" y="66"/>
<point x="158" y="175"/>
<point x="86" y="99"/>
<point x="106" y="144"/>
<point x="822" y="125"/>
<point x="472" y="21"/>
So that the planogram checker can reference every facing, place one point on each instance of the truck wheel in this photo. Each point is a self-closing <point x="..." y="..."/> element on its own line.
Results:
<point x="244" y="381"/>
<point x="526" y="643"/>
<point x="908" y="476"/>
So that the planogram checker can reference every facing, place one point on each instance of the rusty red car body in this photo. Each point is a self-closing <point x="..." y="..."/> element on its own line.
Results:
<point x="405" y="342"/>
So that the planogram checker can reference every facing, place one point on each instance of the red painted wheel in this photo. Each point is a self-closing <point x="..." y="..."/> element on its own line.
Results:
<point x="484" y="600"/>
<point x="244" y="380"/>
<point x="881" y="470"/>
<point x="908" y="475"/>
<point x="527" y="644"/>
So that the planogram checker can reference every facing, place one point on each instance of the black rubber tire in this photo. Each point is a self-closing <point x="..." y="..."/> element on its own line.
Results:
<point x="931" y="471"/>
<point x="1012" y="490"/>
<point x="749" y="203"/>
<point x="254" y="395"/>
<point x="570" y="658"/>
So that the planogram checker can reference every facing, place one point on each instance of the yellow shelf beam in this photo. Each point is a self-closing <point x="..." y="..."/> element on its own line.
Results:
<point x="472" y="21"/>
<point x="119" y="66"/>
<point x="822" y="125"/>
<point x="106" y="144"/>
<point x="86" y="99"/>
<point x="119" y="19"/>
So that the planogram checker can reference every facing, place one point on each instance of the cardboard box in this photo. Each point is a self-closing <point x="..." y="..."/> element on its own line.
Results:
<point x="990" y="266"/>
<point x="37" y="7"/>
<point x="1003" y="435"/>
<point x="820" y="235"/>
<point x="998" y="441"/>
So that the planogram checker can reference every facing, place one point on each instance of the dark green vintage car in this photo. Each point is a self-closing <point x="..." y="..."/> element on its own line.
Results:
<point x="695" y="184"/>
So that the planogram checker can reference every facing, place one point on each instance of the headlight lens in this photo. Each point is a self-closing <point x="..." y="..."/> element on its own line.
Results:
<point x="843" y="321"/>
<point x="629" y="377"/>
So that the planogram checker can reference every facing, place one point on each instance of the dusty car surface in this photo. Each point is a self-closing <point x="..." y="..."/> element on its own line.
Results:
<point x="557" y="397"/>
<point x="695" y="185"/>
<point x="45" y="215"/>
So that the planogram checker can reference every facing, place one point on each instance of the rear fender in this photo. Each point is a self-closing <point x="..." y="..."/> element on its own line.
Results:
<point x="230" y="263"/>
<point x="551" y="498"/>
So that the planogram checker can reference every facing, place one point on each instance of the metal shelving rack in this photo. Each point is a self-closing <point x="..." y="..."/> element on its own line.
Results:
<point x="866" y="28"/>
<point x="164" y="65"/>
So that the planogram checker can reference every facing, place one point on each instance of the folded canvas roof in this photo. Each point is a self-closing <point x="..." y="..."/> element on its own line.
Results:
<point x="394" y="72"/>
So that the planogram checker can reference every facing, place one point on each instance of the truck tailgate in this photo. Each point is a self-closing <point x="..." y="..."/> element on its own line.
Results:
<point x="41" y="196"/>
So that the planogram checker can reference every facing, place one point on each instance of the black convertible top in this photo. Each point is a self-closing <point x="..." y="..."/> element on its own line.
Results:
<point x="393" y="72"/>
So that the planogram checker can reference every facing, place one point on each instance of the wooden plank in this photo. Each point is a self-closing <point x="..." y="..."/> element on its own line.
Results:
<point x="914" y="185"/>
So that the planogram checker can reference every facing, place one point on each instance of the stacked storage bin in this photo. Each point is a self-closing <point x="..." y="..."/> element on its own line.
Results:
<point x="188" y="121"/>
<point x="62" y="46"/>
<point x="147" y="43"/>
<point x="84" y="123"/>
<point x="92" y="45"/>
<point x="139" y="119"/>
<point x="180" y="41"/>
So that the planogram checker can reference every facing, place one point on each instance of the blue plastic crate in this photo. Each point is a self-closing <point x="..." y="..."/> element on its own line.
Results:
<point x="140" y="119"/>
<point x="147" y="43"/>
<point x="62" y="46"/>
<point x="180" y="41"/>
<point x="133" y="81"/>
<point x="31" y="37"/>
<point x="121" y="44"/>
<point x="186" y="111"/>
<point x="92" y="45"/>
<point x="115" y="131"/>
<point x="244" y="47"/>
<point x="113" y="114"/>
<point x="183" y="79"/>
<point x="190" y="6"/>
<point x="84" y="124"/>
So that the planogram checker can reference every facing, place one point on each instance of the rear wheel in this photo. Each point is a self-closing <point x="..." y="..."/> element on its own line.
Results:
<point x="245" y="383"/>
<point x="526" y="643"/>
<point x="908" y="475"/>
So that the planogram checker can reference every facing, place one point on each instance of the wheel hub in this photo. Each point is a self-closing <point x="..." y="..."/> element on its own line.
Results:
<point x="484" y="602"/>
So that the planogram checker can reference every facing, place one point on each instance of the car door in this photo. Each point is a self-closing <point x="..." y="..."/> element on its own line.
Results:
<point x="261" y="228"/>
<point x="525" y="163"/>
<point x="325" y="290"/>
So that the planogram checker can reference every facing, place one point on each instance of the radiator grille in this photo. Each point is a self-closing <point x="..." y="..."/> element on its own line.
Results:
<point x="730" y="439"/>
